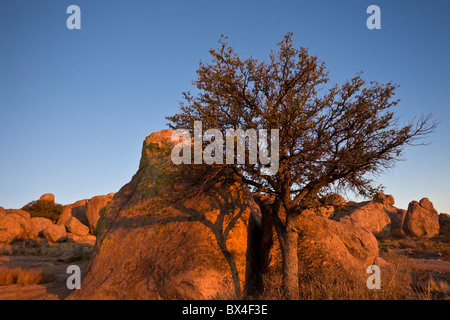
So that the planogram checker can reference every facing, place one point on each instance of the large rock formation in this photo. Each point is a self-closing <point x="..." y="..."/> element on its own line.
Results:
<point x="158" y="241"/>
<point x="14" y="225"/>
<point x="372" y="215"/>
<point x="421" y="219"/>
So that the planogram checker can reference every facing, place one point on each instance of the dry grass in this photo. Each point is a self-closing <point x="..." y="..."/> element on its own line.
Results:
<point x="25" y="277"/>
<point x="335" y="284"/>
<point x="53" y="251"/>
<point x="438" y="246"/>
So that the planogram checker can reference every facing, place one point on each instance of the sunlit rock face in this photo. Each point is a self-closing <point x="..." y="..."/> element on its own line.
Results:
<point x="421" y="219"/>
<point x="157" y="241"/>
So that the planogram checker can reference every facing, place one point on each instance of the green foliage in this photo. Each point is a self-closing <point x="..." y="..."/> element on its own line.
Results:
<point x="44" y="209"/>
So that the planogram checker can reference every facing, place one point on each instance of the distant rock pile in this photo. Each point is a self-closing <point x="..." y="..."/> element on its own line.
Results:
<point x="380" y="217"/>
<point x="16" y="224"/>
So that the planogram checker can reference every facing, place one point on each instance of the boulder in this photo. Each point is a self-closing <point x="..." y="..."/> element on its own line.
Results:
<point x="37" y="225"/>
<point x="370" y="215"/>
<point x="55" y="233"/>
<point x="94" y="209"/>
<point x="324" y="242"/>
<point x="76" y="227"/>
<point x="421" y="219"/>
<point x="77" y="210"/>
<point x="158" y="240"/>
<point x="47" y="197"/>
<point x="14" y="225"/>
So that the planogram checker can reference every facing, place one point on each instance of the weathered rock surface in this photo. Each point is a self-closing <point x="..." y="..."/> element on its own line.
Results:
<point x="47" y="197"/>
<point x="14" y="225"/>
<point x="74" y="226"/>
<point x="37" y="225"/>
<point x="370" y="215"/>
<point x="55" y="233"/>
<point x="421" y="219"/>
<point x="94" y="209"/>
<point x="324" y="242"/>
<point x="156" y="242"/>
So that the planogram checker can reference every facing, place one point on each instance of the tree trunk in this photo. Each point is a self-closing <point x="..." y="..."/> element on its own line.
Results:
<point x="290" y="261"/>
<point x="231" y="263"/>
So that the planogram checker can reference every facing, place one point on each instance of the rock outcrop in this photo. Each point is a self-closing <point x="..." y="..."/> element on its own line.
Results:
<point x="14" y="225"/>
<point x="155" y="241"/>
<point x="372" y="215"/>
<point x="37" y="225"/>
<point x="421" y="219"/>
<point x="17" y="225"/>
<point x="74" y="226"/>
<point x="55" y="233"/>
<point x="324" y="242"/>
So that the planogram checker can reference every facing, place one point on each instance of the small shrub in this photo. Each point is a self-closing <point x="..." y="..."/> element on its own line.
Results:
<point x="44" y="209"/>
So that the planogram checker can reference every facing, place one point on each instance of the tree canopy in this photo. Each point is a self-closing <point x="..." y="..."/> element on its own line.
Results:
<point x="329" y="135"/>
<point x="336" y="135"/>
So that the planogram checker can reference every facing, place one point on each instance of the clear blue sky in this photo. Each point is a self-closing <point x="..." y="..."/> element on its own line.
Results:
<point x="75" y="105"/>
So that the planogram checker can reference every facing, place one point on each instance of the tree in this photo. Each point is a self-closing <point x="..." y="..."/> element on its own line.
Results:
<point x="330" y="136"/>
<point x="44" y="209"/>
